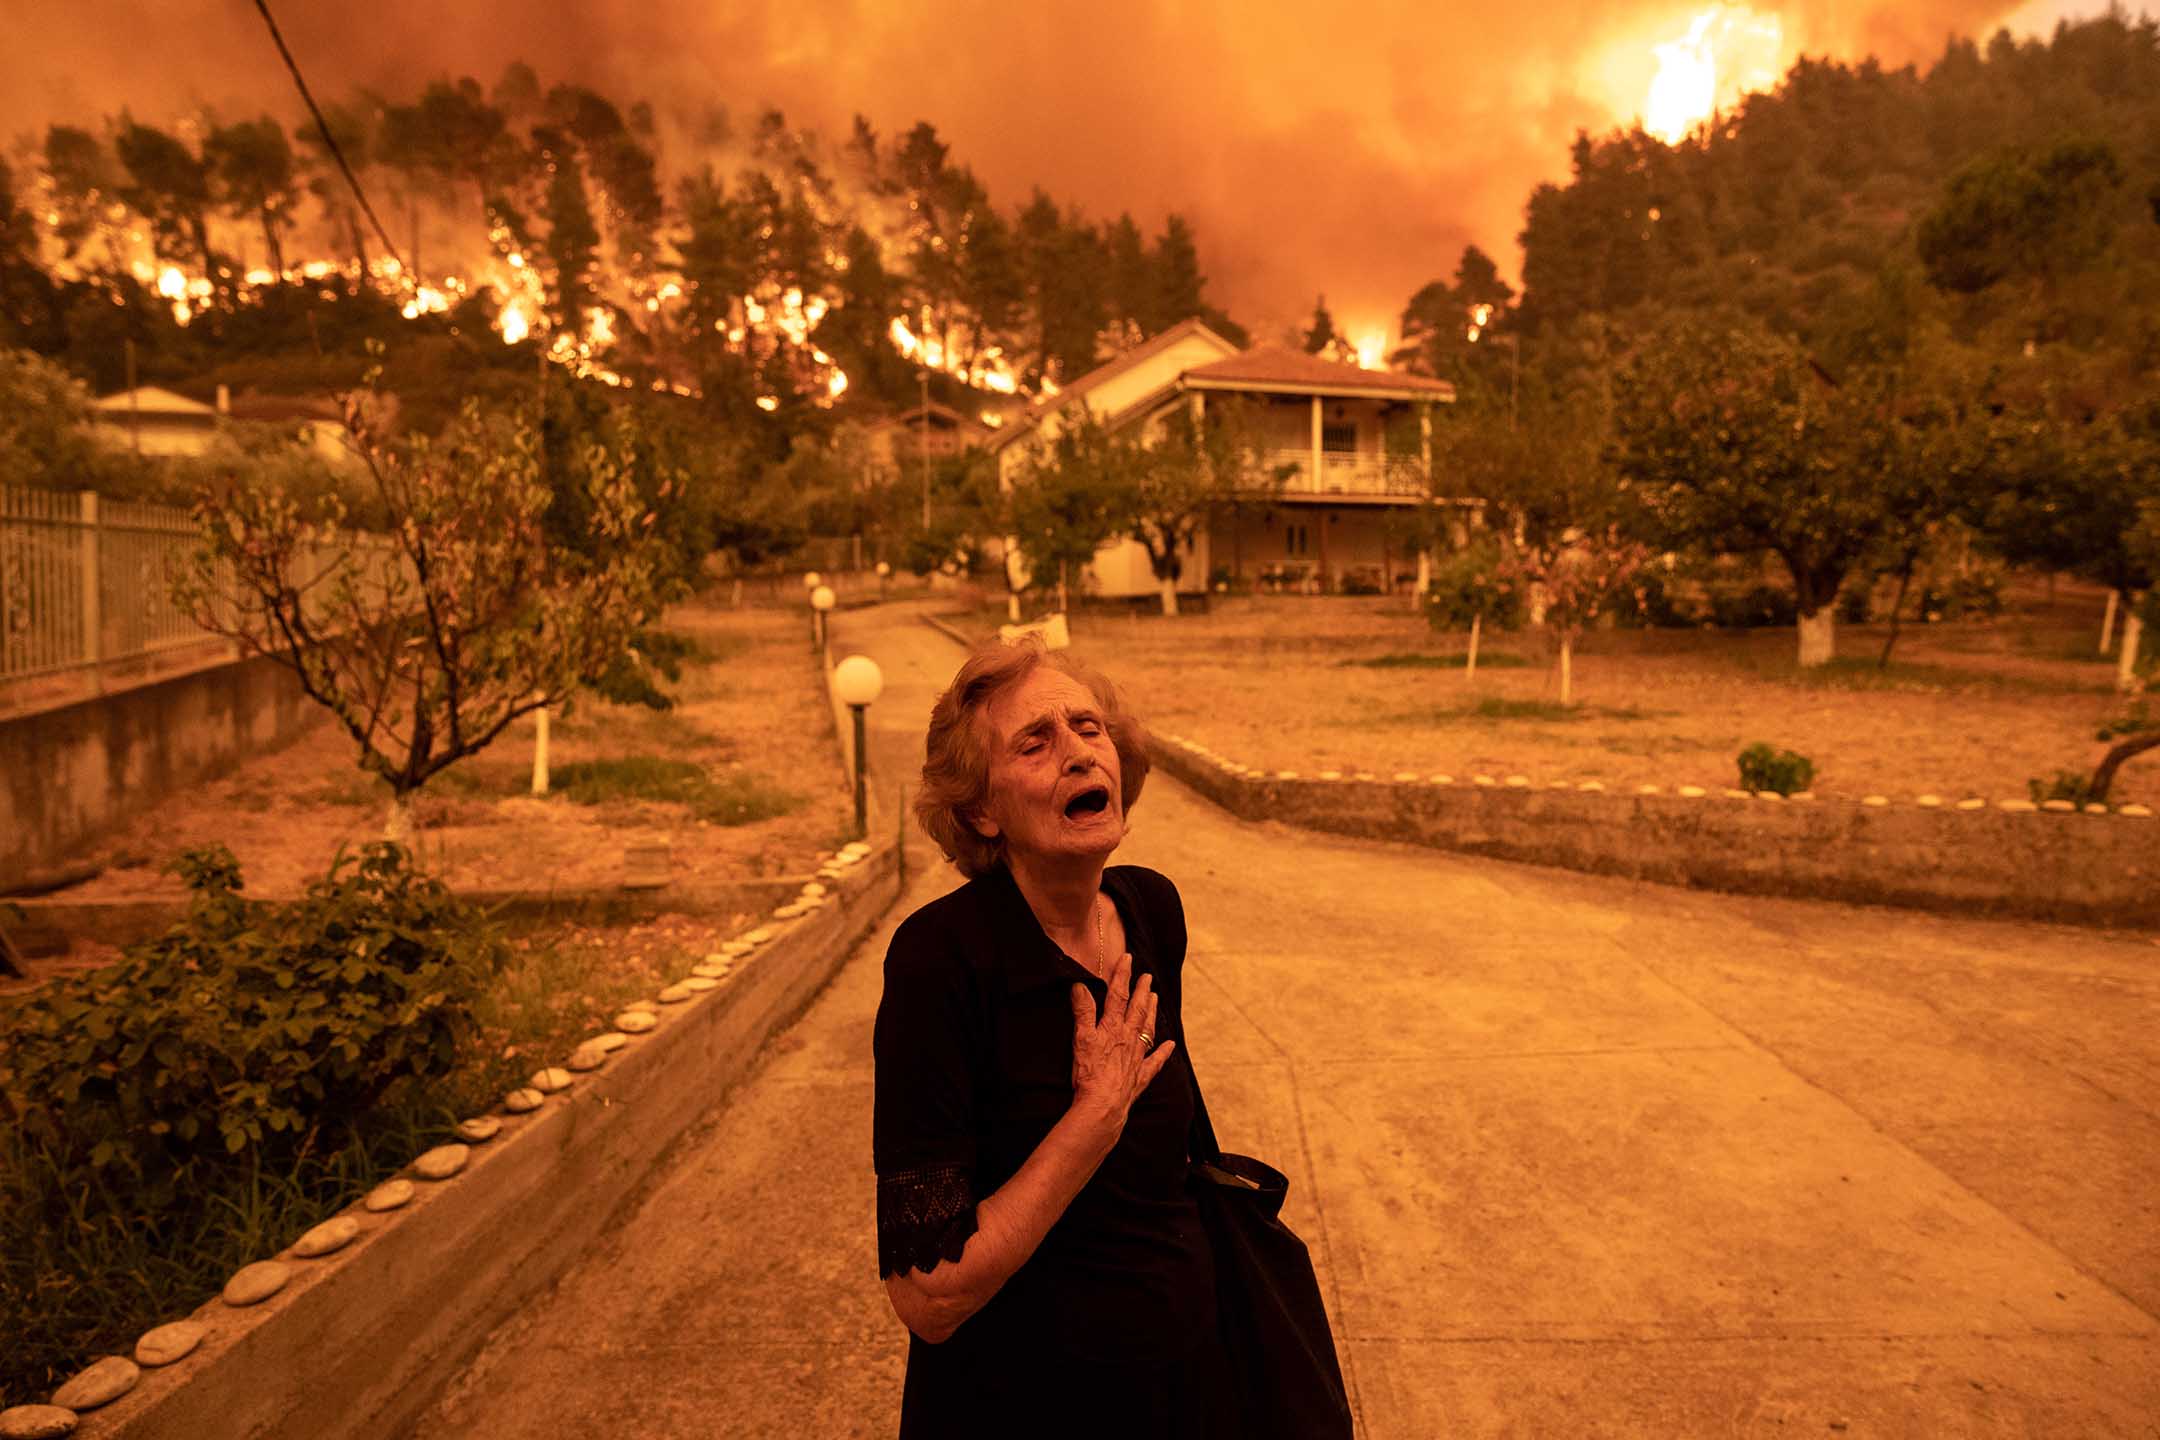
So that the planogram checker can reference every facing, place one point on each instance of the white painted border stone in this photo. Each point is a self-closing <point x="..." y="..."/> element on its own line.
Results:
<point x="358" y="1343"/>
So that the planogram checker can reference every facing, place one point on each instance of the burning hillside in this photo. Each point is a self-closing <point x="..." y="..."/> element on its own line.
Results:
<point x="771" y="264"/>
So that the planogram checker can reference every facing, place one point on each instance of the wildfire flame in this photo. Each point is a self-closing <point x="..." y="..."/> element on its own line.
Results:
<point x="987" y="370"/>
<point x="516" y="325"/>
<point x="1727" y="51"/>
<point x="1480" y="317"/>
<point x="1372" y="350"/>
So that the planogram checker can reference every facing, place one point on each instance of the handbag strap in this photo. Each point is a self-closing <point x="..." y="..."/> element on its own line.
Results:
<point x="1201" y="1143"/>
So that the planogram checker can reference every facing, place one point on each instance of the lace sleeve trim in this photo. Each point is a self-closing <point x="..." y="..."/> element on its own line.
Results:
<point x="924" y="1215"/>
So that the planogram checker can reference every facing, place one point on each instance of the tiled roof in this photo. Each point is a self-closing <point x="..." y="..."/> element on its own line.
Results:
<point x="1109" y="370"/>
<point x="1280" y="365"/>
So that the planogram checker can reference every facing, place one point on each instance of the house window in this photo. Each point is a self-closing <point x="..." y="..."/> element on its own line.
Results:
<point x="1338" y="439"/>
<point x="1297" y="540"/>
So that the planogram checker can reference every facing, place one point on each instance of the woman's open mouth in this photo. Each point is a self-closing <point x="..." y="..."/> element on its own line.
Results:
<point x="1092" y="801"/>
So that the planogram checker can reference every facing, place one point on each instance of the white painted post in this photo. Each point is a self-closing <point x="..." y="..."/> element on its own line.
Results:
<point x="540" y="751"/>
<point x="1319" y="485"/>
<point x="2107" y="623"/>
<point x="2133" y="632"/>
<point x="1425" y="537"/>
<point x="93" y="620"/>
<point x="1477" y="623"/>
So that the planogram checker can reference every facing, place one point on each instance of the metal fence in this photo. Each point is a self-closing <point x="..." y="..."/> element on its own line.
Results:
<point x="86" y="582"/>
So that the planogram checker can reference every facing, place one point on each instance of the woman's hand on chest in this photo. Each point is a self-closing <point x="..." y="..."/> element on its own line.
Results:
<point x="1115" y="1051"/>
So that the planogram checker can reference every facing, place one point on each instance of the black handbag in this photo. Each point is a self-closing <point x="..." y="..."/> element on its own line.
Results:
<point x="1274" y="1325"/>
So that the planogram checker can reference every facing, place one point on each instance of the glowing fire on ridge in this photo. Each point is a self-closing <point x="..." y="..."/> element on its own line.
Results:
<point x="1372" y="350"/>
<point x="1727" y="51"/>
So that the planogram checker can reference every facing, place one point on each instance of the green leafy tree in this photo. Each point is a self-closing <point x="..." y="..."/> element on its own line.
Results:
<point x="2012" y="215"/>
<point x="1196" y="463"/>
<point x="1551" y="494"/>
<point x="426" y="645"/>
<point x="1074" y="496"/>
<point x="2080" y="497"/>
<point x="1734" y="441"/>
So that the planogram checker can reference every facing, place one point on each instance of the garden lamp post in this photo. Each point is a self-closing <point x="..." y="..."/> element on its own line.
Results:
<point x="884" y="573"/>
<point x="810" y="581"/>
<point x="858" y="681"/>
<point x="821" y="600"/>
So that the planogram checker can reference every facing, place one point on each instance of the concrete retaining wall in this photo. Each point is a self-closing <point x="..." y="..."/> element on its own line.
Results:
<point x="360" y="1342"/>
<point x="70" y="774"/>
<point x="2006" y="858"/>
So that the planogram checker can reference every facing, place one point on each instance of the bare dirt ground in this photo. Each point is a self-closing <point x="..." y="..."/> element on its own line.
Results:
<point x="1973" y="708"/>
<point x="750" y="714"/>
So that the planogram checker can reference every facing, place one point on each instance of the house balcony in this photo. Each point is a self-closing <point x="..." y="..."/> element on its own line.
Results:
<point x="1347" y="475"/>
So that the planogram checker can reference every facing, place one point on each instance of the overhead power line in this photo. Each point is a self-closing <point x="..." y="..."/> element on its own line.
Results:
<point x="330" y="143"/>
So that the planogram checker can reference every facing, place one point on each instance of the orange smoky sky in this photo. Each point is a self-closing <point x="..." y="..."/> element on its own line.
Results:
<point x="1350" y="149"/>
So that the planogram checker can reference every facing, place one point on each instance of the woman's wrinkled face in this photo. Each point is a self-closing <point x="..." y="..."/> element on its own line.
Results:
<point x="1055" y="784"/>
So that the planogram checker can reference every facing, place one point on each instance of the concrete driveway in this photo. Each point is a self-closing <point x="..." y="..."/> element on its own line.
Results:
<point x="1576" y="1157"/>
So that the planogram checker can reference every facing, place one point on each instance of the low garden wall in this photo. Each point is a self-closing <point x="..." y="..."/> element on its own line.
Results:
<point x="357" y="1341"/>
<point x="71" y="773"/>
<point x="2097" y="866"/>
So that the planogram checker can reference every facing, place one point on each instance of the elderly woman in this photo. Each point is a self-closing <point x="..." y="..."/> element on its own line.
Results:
<point x="1035" y="1230"/>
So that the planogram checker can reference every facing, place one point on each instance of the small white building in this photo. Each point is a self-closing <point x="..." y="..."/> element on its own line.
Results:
<point x="1355" y="444"/>
<point x="152" y="420"/>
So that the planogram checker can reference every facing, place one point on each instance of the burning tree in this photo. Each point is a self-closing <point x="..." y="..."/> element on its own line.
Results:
<point x="427" y="642"/>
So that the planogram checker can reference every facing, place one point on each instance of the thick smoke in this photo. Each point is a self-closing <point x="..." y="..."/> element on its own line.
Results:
<point x="1348" y="150"/>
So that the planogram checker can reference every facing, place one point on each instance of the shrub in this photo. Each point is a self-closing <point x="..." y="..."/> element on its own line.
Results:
<point x="1855" y="604"/>
<point x="246" y="1028"/>
<point x="2072" y="785"/>
<point x="2136" y="719"/>
<point x="224" y="1085"/>
<point x="1657" y="601"/>
<point x="1764" y="767"/>
<point x="1467" y="584"/>
<point x="1977" y="595"/>
<point x="1759" y="607"/>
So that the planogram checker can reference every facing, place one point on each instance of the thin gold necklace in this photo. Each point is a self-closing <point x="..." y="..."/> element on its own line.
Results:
<point x="1102" y="946"/>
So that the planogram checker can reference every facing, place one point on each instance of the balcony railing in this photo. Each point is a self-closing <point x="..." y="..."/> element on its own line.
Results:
<point x="1347" y="474"/>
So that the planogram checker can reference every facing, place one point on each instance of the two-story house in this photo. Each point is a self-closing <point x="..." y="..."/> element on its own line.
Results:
<point x="1354" y="446"/>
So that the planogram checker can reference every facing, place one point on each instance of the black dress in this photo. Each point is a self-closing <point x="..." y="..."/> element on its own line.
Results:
<point x="1109" y="1328"/>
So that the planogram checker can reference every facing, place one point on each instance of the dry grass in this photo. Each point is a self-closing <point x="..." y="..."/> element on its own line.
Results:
<point x="1965" y="709"/>
<point x="767" y="796"/>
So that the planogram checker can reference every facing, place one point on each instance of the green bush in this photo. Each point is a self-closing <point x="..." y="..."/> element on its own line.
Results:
<point x="1759" y="607"/>
<point x="1855" y="603"/>
<point x="731" y="798"/>
<point x="1657" y="601"/>
<point x="246" y="1027"/>
<point x="1764" y="767"/>
<point x="224" y="1085"/>
<point x="1468" y="584"/>
<point x="1977" y="595"/>
<point x="2072" y="785"/>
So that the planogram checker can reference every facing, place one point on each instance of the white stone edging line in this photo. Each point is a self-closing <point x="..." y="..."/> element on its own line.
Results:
<point x="2012" y="806"/>
<point x="111" y="1377"/>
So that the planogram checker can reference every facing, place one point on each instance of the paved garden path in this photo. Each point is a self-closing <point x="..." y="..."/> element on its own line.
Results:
<point x="1576" y="1157"/>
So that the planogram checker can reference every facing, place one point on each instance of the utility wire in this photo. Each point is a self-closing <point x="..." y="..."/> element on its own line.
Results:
<point x="330" y="143"/>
